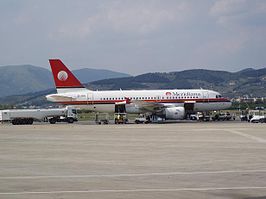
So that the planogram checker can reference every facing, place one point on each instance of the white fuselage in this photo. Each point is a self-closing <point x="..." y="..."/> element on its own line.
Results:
<point x="105" y="101"/>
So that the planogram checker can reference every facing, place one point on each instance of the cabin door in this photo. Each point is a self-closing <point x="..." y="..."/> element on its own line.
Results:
<point x="120" y="108"/>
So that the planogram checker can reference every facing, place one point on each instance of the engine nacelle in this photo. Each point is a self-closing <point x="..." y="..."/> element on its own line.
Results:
<point x="175" y="113"/>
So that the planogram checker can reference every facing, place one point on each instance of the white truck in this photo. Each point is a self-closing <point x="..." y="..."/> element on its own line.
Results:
<point x="27" y="116"/>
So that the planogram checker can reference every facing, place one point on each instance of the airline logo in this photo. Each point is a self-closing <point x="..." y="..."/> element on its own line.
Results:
<point x="183" y="94"/>
<point x="62" y="75"/>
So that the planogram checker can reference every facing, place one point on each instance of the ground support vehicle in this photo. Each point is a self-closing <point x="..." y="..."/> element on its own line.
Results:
<point x="120" y="118"/>
<point x="222" y="117"/>
<point x="142" y="119"/>
<point x="257" y="119"/>
<point x="254" y="116"/>
<point x="27" y="116"/>
<point x="99" y="119"/>
<point x="243" y="117"/>
<point x="200" y="116"/>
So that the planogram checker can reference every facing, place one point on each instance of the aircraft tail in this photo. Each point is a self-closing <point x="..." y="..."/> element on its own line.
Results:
<point x="64" y="79"/>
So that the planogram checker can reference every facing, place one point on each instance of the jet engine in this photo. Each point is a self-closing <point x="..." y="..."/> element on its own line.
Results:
<point x="174" y="113"/>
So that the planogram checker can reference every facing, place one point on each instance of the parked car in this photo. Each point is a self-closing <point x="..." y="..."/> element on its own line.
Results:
<point x="222" y="117"/>
<point x="257" y="118"/>
<point x="142" y="120"/>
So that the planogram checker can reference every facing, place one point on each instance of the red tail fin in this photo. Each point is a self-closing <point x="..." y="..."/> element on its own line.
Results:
<point x="63" y="77"/>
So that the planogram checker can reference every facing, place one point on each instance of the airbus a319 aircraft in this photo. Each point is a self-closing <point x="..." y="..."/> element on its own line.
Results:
<point x="170" y="104"/>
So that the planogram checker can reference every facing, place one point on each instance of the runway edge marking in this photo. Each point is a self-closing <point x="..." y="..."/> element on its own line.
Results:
<point x="252" y="137"/>
<point x="133" y="190"/>
<point x="134" y="174"/>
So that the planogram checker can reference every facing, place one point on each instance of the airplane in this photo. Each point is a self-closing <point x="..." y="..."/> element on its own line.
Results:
<point x="170" y="104"/>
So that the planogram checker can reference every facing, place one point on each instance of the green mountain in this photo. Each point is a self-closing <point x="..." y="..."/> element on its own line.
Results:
<point x="249" y="82"/>
<point x="21" y="79"/>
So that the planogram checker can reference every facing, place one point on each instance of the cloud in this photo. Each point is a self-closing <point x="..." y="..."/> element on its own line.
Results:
<point x="134" y="36"/>
<point x="139" y="17"/>
<point x="229" y="7"/>
<point x="238" y="12"/>
<point x="143" y="17"/>
<point x="214" y="51"/>
<point x="239" y="27"/>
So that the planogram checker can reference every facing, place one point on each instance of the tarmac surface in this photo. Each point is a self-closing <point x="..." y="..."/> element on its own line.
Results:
<point x="182" y="160"/>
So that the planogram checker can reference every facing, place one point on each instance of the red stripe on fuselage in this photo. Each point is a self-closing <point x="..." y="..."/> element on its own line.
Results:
<point x="152" y="101"/>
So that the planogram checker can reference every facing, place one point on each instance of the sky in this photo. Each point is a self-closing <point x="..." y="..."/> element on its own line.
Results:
<point x="135" y="36"/>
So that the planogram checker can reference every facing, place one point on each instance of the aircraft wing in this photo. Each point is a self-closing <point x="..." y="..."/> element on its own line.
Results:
<point x="149" y="106"/>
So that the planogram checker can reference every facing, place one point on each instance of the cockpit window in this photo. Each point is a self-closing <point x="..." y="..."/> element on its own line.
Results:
<point x="218" y="96"/>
